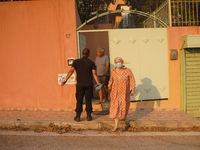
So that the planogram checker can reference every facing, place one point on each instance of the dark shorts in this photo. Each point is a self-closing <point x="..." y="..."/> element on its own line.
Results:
<point x="104" y="79"/>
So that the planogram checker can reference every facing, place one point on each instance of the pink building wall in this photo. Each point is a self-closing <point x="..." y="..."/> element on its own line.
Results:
<point x="34" y="50"/>
<point x="174" y="42"/>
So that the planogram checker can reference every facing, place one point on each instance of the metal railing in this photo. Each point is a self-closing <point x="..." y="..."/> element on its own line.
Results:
<point x="158" y="20"/>
<point x="185" y="12"/>
<point x="176" y="13"/>
<point x="162" y="13"/>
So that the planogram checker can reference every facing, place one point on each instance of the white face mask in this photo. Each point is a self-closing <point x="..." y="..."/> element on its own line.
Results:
<point x="119" y="65"/>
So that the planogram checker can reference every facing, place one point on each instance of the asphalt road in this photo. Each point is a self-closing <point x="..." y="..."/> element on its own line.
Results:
<point x="90" y="140"/>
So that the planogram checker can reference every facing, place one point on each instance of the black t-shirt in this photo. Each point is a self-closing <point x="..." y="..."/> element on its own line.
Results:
<point x="84" y="67"/>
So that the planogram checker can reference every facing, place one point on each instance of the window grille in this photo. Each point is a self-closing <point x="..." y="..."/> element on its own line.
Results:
<point x="181" y="13"/>
<point x="185" y="12"/>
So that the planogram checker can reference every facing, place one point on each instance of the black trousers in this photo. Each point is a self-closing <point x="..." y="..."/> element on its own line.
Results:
<point x="82" y="91"/>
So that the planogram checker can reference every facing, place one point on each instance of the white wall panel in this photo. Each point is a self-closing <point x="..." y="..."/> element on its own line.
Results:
<point x="145" y="52"/>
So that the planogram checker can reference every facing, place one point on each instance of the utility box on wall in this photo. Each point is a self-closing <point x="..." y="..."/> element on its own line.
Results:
<point x="191" y="41"/>
<point x="173" y="54"/>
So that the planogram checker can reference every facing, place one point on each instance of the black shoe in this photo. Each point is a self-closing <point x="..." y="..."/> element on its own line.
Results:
<point x="89" y="118"/>
<point x="77" y="118"/>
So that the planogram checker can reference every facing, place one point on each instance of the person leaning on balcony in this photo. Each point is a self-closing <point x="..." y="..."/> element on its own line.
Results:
<point x="121" y="81"/>
<point x="103" y="65"/>
<point x="85" y="71"/>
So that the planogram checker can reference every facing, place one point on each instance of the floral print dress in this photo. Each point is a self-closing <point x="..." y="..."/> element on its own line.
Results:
<point x="120" y="84"/>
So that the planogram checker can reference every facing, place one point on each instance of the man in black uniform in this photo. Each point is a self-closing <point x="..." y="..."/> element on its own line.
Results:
<point x="85" y="70"/>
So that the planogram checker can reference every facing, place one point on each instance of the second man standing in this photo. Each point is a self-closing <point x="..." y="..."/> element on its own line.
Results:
<point x="103" y="66"/>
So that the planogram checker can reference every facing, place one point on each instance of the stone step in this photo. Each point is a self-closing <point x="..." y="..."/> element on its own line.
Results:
<point x="99" y="107"/>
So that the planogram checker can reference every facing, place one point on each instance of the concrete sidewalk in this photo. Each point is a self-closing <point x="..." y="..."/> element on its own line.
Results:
<point x="138" y="118"/>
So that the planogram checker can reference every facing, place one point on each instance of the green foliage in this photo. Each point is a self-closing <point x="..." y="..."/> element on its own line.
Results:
<point x="87" y="7"/>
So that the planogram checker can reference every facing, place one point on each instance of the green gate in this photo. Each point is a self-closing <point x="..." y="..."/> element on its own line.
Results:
<point x="190" y="69"/>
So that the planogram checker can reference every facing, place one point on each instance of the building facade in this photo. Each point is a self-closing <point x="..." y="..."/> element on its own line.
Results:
<point x="40" y="37"/>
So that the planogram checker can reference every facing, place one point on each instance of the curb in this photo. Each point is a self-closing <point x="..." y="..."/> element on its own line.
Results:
<point x="75" y="125"/>
<point x="167" y="124"/>
<point x="97" y="124"/>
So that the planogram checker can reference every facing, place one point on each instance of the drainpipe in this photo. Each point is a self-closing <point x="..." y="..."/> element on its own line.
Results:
<point x="154" y="22"/>
<point x="170" y="13"/>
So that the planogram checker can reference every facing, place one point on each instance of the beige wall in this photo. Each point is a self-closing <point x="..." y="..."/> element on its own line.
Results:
<point x="34" y="50"/>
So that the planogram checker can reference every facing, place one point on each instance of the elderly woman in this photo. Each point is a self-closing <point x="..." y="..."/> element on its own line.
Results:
<point x="122" y="84"/>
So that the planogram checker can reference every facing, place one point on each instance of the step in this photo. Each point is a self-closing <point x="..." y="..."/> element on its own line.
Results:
<point x="99" y="107"/>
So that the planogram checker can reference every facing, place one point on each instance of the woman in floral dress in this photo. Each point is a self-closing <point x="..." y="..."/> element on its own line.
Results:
<point x="122" y="84"/>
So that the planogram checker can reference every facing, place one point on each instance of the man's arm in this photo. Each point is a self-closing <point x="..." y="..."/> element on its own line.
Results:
<point x="68" y="75"/>
<point x="96" y="78"/>
<point x="107" y="68"/>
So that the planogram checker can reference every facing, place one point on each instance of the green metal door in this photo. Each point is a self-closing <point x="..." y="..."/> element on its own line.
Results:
<point x="192" y="81"/>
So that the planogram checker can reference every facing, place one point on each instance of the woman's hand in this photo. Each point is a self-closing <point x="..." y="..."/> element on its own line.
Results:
<point x="132" y="93"/>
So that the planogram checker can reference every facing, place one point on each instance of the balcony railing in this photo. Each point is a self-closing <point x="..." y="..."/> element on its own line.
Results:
<point x="176" y="13"/>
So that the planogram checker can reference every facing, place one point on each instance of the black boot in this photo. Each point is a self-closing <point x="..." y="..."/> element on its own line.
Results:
<point x="77" y="118"/>
<point x="89" y="117"/>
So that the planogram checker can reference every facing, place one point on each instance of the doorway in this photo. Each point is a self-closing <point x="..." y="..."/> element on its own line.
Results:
<point x="144" y="51"/>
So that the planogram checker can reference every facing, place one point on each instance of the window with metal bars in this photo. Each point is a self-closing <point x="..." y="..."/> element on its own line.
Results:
<point x="182" y="13"/>
<point x="185" y="12"/>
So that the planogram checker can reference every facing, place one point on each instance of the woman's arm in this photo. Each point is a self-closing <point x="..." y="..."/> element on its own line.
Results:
<point x="132" y="82"/>
<point x="110" y="81"/>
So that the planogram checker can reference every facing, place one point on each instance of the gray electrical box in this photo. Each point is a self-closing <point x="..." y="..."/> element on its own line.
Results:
<point x="173" y="54"/>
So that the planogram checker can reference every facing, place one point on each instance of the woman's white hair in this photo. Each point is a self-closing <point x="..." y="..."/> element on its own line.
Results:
<point x="101" y="49"/>
<point x="119" y="58"/>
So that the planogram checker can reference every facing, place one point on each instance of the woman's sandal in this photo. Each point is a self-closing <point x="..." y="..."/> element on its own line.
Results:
<point x="106" y="101"/>
<point x="98" y="102"/>
<point x="115" y="129"/>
